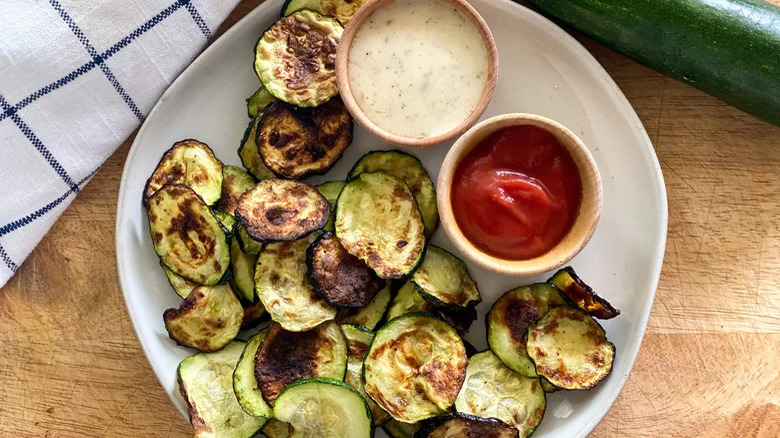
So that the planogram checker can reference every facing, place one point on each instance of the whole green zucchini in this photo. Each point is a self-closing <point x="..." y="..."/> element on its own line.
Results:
<point x="727" y="48"/>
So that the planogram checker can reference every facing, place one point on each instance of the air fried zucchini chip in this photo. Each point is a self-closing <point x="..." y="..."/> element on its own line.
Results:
<point x="509" y="318"/>
<point x="570" y="349"/>
<point x="258" y="101"/>
<point x="254" y="314"/>
<point x="285" y="357"/>
<point x="284" y="289"/>
<point x="343" y="10"/>
<point x="207" y="320"/>
<point x="243" y="268"/>
<point x="411" y="171"/>
<point x="205" y="382"/>
<point x="370" y="315"/>
<point x="295" y="58"/>
<point x="180" y="285"/>
<point x="250" y="155"/>
<point x="191" y="163"/>
<point x="187" y="236"/>
<point x="244" y="383"/>
<point x="339" y="277"/>
<point x="358" y="342"/>
<point x="280" y="210"/>
<point x="582" y="295"/>
<point x="465" y="426"/>
<point x="235" y="181"/>
<point x="492" y="390"/>
<point x="247" y="244"/>
<point x="415" y="367"/>
<point x="298" y="142"/>
<point x="442" y="280"/>
<point x="331" y="190"/>
<point x="377" y="220"/>
<point x="407" y="300"/>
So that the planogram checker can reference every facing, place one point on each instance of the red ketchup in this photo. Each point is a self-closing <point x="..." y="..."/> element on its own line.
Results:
<point x="516" y="194"/>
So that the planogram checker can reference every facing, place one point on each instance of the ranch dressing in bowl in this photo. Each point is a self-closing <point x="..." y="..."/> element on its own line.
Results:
<point x="418" y="68"/>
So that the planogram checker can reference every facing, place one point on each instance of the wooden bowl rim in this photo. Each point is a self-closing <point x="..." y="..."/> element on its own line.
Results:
<point x="342" y="77"/>
<point x="585" y="222"/>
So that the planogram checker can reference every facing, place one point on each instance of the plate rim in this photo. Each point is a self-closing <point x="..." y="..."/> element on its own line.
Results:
<point x="557" y="33"/>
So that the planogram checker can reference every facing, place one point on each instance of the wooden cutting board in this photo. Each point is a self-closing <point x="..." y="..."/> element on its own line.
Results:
<point x="71" y="366"/>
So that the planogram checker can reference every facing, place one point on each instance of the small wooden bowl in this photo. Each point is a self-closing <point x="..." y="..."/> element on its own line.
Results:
<point x="342" y="76"/>
<point x="584" y="223"/>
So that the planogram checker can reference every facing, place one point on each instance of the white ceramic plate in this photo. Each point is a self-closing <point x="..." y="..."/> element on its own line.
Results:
<point x="542" y="70"/>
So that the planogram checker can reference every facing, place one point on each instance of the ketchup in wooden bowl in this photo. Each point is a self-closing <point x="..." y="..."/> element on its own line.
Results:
<point x="516" y="194"/>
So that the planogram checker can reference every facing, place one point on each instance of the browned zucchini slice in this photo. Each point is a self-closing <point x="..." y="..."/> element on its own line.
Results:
<point x="443" y="280"/>
<point x="377" y="220"/>
<point x="207" y="320"/>
<point x="339" y="277"/>
<point x="250" y="155"/>
<point x="187" y="236"/>
<point x="180" y="285"/>
<point x="371" y="315"/>
<point x="281" y="210"/>
<point x="582" y="295"/>
<point x="570" y="349"/>
<point x="254" y="314"/>
<point x="358" y="342"/>
<point x="285" y="357"/>
<point x="192" y="163"/>
<point x="298" y="142"/>
<point x="465" y="426"/>
<point x="235" y="181"/>
<point x="295" y="58"/>
<point x="415" y="367"/>
<point x="258" y="101"/>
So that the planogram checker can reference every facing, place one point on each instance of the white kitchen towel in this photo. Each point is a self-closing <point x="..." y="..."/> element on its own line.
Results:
<point x="76" y="78"/>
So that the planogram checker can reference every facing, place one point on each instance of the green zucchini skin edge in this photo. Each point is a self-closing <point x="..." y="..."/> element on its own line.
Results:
<point x="727" y="48"/>
<point x="428" y="426"/>
<point x="431" y="298"/>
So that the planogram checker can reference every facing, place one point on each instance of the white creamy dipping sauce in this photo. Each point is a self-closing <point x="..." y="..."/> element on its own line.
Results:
<point x="417" y="68"/>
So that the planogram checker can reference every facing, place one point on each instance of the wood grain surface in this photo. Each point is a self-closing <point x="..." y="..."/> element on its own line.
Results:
<point x="71" y="366"/>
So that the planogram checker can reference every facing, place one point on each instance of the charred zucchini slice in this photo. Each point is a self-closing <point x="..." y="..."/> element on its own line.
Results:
<point x="492" y="390"/>
<point x="205" y="382"/>
<point x="279" y="210"/>
<point x="180" y="285"/>
<point x="339" y="277"/>
<point x="250" y="155"/>
<point x="247" y="244"/>
<point x="253" y="314"/>
<point x="281" y="284"/>
<point x="570" y="349"/>
<point x="377" y="220"/>
<point x="258" y="101"/>
<point x="324" y="408"/>
<point x="187" y="236"/>
<point x="460" y="425"/>
<point x="397" y="429"/>
<point x="415" y="367"/>
<point x="358" y="342"/>
<point x="330" y="190"/>
<point x="295" y="58"/>
<point x="407" y="300"/>
<point x="207" y="320"/>
<point x="343" y="10"/>
<point x="412" y="172"/>
<point x="443" y="280"/>
<point x="298" y="142"/>
<point x="244" y="383"/>
<point x="243" y="266"/>
<point x="508" y="321"/>
<point x="370" y="315"/>
<point x="285" y="357"/>
<point x="582" y="295"/>
<point x="460" y="319"/>
<point x="191" y="163"/>
<point x="277" y="429"/>
<point x="235" y="181"/>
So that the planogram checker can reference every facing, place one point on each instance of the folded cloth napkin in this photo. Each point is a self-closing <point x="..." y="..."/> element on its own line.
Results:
<point x="76" y="78"/>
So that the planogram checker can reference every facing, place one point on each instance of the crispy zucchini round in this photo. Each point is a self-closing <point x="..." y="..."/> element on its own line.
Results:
<point x="249" y="153"/>
<point x="299" y="142"/>
<point x="460" y="425"/>
<point x="280" y="210"/>
<point x="207" y="320"/>
<point x="243" y="269"/>
<point x="570" y="349"/>
<point x="205" y="383"/>
<point x="285" y="357"/>
<point x="192" y="163"/>
<point x="582" y="295"/>
<point x="244" y="382"/>
<point x="295" y="58"/>
<point x="187" y="236"/>
<point x="343" y="10"/>
<point x="370" y="315"/>
<point x="377" y="220"/>
<point x="509" y="318"/>
<point x="492" y="390"/>
<point x="358" y="342"/>
<point x="407" y="300"/>
<point x="235" y="181"/>
<point x="330" y="190"/>
<point x="282" y="286"/>
<point x="339" y="277"/>
<point x="411" y="171"/>
<point x="415" y="367"/>
<point x="442" y="280"/>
